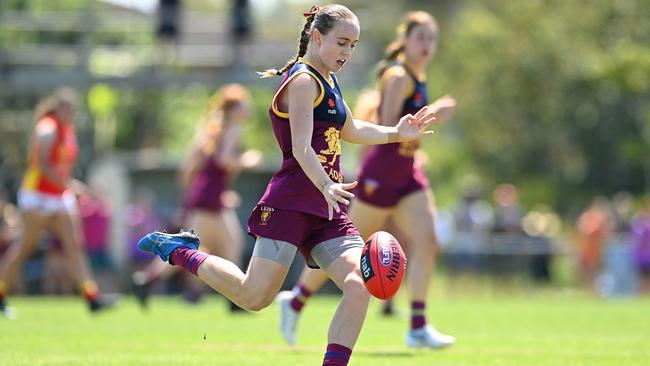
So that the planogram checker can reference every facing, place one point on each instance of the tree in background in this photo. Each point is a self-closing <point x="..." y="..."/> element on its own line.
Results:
<point x="553" y="95"/>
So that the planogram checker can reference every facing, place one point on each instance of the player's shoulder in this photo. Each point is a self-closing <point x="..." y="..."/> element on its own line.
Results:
<point x="395" y="72"/>
<point x="303" y="82"/>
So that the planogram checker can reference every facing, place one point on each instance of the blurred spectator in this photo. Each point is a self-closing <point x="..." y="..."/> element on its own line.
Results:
<point x="541" y="224"/>
<point x="473" y="213"/>
<point x="508" y="213"/>
<point x="505" y="257"/>
<point x="622" y="212"/>
<point x="473" y="219"/>
<point x="593" y="227"/>
<point x="641" y="243"/>
<point x="95" y="215"/>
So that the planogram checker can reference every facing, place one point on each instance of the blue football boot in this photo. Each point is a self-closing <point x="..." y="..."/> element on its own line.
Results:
<point x="163" y="244"/>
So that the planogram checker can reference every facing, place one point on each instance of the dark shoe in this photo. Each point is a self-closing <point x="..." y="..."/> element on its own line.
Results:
<point x="141" y="288"/>
<point x="103" y="302"/>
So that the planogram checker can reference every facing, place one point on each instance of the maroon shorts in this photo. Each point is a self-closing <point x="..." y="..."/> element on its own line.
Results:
<point x="380" y="192"/>
<point x="303" y="230"/>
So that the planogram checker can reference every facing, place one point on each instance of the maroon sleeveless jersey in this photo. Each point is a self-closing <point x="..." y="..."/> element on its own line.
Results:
<point x="392" y="165"/>
<point x="290" y="188"/>
<point x="206" y="188"/>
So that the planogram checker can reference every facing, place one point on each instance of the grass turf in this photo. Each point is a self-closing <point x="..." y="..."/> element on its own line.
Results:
<point x="541" y="329"/>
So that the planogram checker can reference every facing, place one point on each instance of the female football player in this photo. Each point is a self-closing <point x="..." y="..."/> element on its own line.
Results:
<point x="392" y="183"/>
<point x="212" y="164"/>
<point x="304" y="206"/>
<point x="47" y="201"/>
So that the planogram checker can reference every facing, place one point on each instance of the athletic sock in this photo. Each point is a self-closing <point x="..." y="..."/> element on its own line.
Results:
<point x="3" y="290"/>
<point x="300" y="296"/>
<point x="336" y="355"/>
<point x="188" y="259"/>
<point x="418" y="319"/>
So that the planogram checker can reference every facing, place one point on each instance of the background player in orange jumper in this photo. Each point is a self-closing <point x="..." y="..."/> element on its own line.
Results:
<point x="47" y="201"/>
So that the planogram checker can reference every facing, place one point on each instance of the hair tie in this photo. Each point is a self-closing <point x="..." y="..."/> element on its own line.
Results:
<point x="312" y="12"/>
<point x="401" y="28"/>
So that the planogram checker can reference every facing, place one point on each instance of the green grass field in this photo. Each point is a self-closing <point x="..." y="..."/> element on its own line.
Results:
<point x="540" y="329"/>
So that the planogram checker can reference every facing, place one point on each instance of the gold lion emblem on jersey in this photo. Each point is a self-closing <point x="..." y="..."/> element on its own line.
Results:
<point x="370" y="186"/>
<point x="333" y="140"/>
<point x="265" y="215"/>
<point x="407" y="149"/>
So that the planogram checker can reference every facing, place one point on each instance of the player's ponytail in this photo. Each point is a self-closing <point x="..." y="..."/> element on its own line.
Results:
<point x="393" y="50"/>
<point x="321" y="18"/>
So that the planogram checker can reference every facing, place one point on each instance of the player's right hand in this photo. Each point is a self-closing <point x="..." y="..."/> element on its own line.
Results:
<point x="336" y="193"/>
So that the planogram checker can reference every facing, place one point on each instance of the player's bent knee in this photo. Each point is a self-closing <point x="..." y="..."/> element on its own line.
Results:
<point x="256" y="303"/>
<point x="355" y="288"/>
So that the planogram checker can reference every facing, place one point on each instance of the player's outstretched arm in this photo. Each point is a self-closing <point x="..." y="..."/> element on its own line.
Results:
<point x="409" y="127"/>
<point x="444" y="108"/>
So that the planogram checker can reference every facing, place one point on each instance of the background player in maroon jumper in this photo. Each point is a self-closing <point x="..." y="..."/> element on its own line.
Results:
<point x="47" y="201"/>
<point x="213" y="162"/>
<point x="304" y="206"/>
<point x="400" y="193"/>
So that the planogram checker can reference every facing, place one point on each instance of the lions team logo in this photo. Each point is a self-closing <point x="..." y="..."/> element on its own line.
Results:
<point x="265" y="215"/>
<point x="407" y="149"/>
<point x="333" y="140"/>
<point x="370" y="186"/>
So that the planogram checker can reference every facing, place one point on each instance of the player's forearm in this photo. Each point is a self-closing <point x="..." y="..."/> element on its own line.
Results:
<point x="367" y="133"/>
<point x="306" y="157"/>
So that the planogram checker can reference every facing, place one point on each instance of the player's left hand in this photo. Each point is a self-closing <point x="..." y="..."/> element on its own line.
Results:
<point x="411" y="127"/>
<point x="444" y="108"/>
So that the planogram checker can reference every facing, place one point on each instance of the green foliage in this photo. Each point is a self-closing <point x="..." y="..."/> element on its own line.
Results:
<point x="552" y="94"/>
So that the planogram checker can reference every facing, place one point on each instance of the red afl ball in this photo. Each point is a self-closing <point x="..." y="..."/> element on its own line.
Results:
<point x="383" y="264"/>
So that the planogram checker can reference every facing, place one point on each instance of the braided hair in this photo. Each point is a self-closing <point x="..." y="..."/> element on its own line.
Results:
<point x="321" y="18"/>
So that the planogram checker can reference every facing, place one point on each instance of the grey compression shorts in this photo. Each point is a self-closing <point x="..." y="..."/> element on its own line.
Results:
<point x="323" y="254"/>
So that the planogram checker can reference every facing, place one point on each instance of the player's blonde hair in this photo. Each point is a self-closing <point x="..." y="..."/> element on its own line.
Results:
<point x="49" y="104"/>
<point x="219" y="107"/>
<point x="321" y="18"/>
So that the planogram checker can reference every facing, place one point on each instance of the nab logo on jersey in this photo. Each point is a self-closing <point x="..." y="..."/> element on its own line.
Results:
<point x="331" y="104"/>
